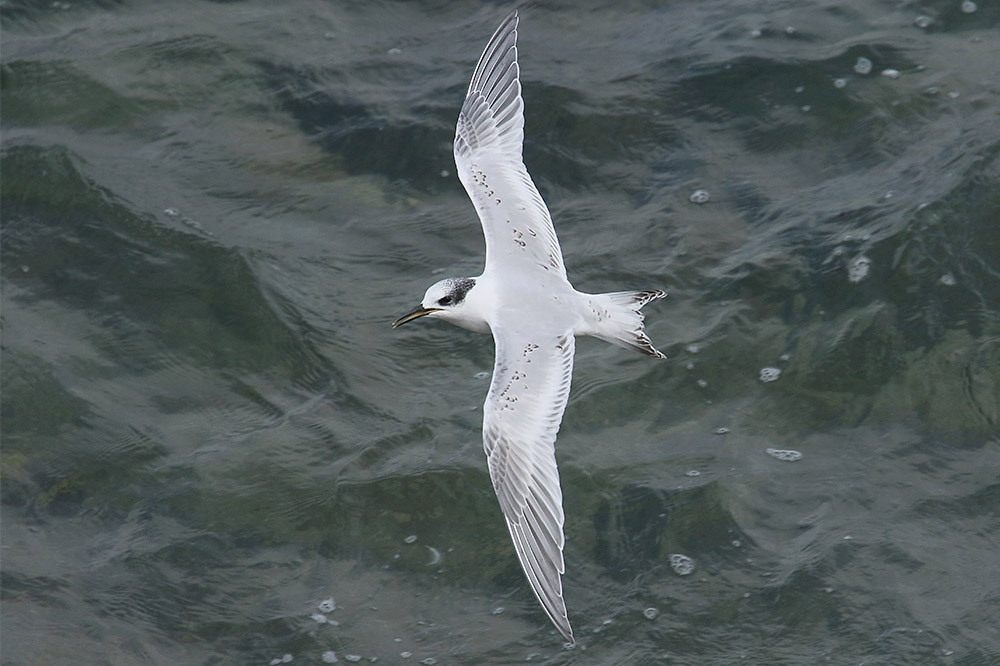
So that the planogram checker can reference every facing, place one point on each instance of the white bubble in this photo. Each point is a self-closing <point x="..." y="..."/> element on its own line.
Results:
<point x="806" y="108"/>
<point x="497" y="611"/>
<point x="319" y="618"/>
<point x="839" y="83"/>
<point x="328" y="605"/>
<point x="954" y="94"/>
<point x="702" y="383"/>
<point x="171" y="212"/>
<point x="947" y="280"/>
<point x="890" y="73"/>
<point x="699" y="197"/>
<point x="394" y="51"/>
<point x="405" y="654"/>
<point x="799" y="89"/>
<point x="721" y="431"/>
<point x="650" y="613"/>
<point x="755" y="33"/>
<point x="859" y="268"/>
<point x="769" y="374"/>
<point x="790" y="30"/>
<point x="737" y="543"/>
<point x="784" y="357"/>
<point x="969" y="7"/>
<point x="287" y="658"/>
<point x="353" y="658"/>
<point x="693" y="349"/>
<point x="410" y="539"/>
<point x="444" y="173"/>
<point x="681" y="564"/>
<point x="923" y="21"/>
<point x="429" y="661"/>
<point x="482" y="375"/>
<point x="329" y="657"/>
<point x="863" y="66"/>
<point x="692" y="473"/>
<point x="788" y="455"/>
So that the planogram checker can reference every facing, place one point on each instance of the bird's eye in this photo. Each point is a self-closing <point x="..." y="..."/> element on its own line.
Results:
<point x="445" y="301"/>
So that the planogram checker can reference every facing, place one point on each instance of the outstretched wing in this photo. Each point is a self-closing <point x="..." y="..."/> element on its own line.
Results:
<point x="523" y="410"/>
<point x="488" y="139"/>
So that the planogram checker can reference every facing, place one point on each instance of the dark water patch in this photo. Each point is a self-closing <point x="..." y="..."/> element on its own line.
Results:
<point x="42" y="93"/>
<point x="87" y="251"/>
<point x="363" y="137"/>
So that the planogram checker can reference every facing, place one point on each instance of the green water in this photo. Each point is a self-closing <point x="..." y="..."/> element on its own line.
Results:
<point x="211" y="211"/>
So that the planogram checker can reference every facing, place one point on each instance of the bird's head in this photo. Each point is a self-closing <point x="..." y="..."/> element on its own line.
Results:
<point x="444" y="299"/>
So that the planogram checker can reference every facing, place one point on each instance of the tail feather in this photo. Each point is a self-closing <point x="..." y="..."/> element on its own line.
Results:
<point x="615" y="318"/>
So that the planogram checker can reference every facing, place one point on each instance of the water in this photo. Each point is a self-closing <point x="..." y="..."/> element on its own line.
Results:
<point x="212" y="211"/>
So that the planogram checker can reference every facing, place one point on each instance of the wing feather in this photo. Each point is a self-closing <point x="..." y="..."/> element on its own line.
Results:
<point x="522" y="414"/>
<point x="488" y="156"/>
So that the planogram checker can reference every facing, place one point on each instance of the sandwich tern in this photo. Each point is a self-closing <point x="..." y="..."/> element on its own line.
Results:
<point x="525" y="300"/>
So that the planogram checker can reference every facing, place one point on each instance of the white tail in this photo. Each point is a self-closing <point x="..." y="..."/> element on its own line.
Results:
<point x="615" y="318"/>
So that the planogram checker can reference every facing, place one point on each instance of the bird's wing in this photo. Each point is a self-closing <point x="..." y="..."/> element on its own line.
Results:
<point x="488" y="139"/>
<point x="521" y="417"/>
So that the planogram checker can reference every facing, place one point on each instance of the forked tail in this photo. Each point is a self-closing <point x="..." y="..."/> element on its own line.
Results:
<point x="615" y="317"/>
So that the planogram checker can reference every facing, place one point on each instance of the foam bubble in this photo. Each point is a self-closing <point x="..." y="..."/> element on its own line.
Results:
<point x="328" y="605"/>
<point x="681" y="564"/>
<point x="769" y="374"/>
<point x="699" y="197"/>
<point x="721" y="431"/>
<point x="923" y="21"/>
<point x="890" y="73"/>
<point x="968" y="7"/>
<point x="410" y="539"/>
<point x="859" y="268"/>
<point x="650" y="613"/>
<point x="329" y="657"/>
<point x="839" y="83"/>
<point x="863" y="66"/>
<point x="788" y="455"/>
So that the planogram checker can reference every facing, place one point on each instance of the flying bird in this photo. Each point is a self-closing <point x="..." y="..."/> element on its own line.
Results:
<point x="525" y="300"/>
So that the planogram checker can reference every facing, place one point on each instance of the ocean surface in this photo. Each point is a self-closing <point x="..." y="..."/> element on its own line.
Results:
<point x="216" y="450"/>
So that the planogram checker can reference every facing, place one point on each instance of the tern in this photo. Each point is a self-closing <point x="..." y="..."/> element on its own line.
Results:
<point x="525" y="300"/>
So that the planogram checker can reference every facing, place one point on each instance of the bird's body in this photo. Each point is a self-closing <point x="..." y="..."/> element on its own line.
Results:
<point x="525" y="300"/>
